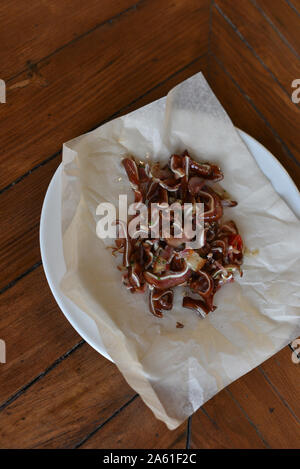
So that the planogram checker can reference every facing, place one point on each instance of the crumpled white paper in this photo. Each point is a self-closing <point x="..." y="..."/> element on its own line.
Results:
<point x="176" y="370"/>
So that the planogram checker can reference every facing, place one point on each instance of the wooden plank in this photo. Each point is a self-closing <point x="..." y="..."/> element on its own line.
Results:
<point x="256" y="82"/>
<point x="246" y="118"/>
<point x="35" y="332"/>
<point x="124" y="431"/>
<point x="284" y="18"/>
<point x="296" y="5"/>
<point x="43" y="27"/>
<point x="267" y="401"/>
<point x="58" y="411"/>
<point x="222" y="425"/>
<point x="88" y="80"/>
<point x="261" y="36"/>
<point x="20" y="206"/>
<point x="278" y="426"/>
<point x="20" y="211"/>
<point x="284" y="376"/>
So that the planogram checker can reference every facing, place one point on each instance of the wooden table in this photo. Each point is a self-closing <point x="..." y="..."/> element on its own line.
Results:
<point x="68" y="67"/>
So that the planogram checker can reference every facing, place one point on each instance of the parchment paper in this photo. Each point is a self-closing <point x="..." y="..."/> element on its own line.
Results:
<point x="176" y="370"/>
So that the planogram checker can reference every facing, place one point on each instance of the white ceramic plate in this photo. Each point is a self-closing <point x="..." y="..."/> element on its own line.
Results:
<point x="51" y="239"/>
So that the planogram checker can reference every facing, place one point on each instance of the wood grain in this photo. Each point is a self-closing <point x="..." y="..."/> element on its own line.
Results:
<point x="253" y="412"/>
<point x="20" y="210"/>
<point x="247" y="118"/>
<point x="264" y="40"/>
<point x="221" y="424"/>
<point x="44" y="27"/>
<point x="284" y="18"/>
<point x="35" y="331"/>
<point x="256" y="82"/>
<point x="136" y="428"/>
<point x="84" y="83"/>
<point x="21" y="205"/>
<point x="284" y="376"/>
<point x="59" y="410"/>
<point x="278" y="426"/>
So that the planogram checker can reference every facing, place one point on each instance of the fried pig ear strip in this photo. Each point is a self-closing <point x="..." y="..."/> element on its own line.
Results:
<point x="219" y="248"/>
<point x="176" y="242"/>
<point x="228" y="203"/>
<point x="206" y="170"/>
<point x="164" y="177"/>
<point x="132" y="172"/>
<point x="212" y="202"/>
<point x="226" y="274"/>
<point x="135" y="277"/>
<point x="197" y="305"/>
<point x="169" y="280"/>
<point x="227" y="228"/>
<point x="134" y="178"/>
<point x="152" y="191"/>
<point x="160" y="300"/>
<point x="148" y="255"/>
<point x="235" y="249"/>
<point x="195" y="185"/>
<point x="180" y="165"/>
<point x="124" y="241"/>
<point x="203" y="284"/>
<point x="176" y="165"/>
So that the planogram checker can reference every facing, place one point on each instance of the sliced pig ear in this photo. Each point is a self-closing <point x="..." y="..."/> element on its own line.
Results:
<point x="202" y="306"/>
<point x="195" y="184"/>
<point x="176" y="164"/>
<point x="200" y="169"/>
<point x="127" y="242"/>
<point x="215" y="209"/>
<point x="206" y="170"/>
<point x="168" y="280"/>
<point x="228" y="228"/>
<point x="160" y="300"/>
<point x="163" y="196"/>
<point x="143" y="176"/>
<point x="203" y="284"/>
<point x="228" y="203"/>
<point x="197" y="305"/>
<point x="132" y="172"/>
<point x="171" y="184"/>
<point x="216" y="174"/>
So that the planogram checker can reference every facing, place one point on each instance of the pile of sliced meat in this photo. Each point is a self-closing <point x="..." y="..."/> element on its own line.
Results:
<point x="161" y="264"/>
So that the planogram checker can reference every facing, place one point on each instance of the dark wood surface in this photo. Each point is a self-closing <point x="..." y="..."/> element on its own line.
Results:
<point x="70" y="66"/>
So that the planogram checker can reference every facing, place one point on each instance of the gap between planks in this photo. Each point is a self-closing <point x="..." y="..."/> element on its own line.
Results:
<point x="283" y="144"/>
<point x="112" y="116"/>
<point x="243" y="39"/>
